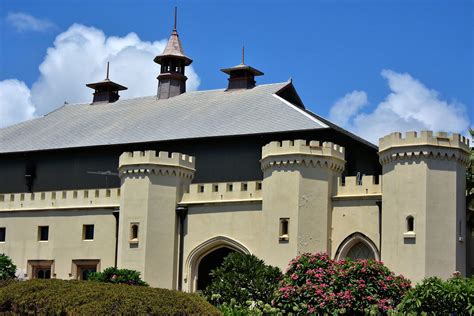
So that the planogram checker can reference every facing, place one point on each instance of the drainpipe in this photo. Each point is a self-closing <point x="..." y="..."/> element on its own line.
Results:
<point x="182" y="212"/>
<point x="116" y="215"/>
<point x="379" y="204"/>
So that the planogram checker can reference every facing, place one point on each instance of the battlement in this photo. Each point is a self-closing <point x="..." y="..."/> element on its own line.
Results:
<point x="440" y="139"/>
<point x="223" y="192"/>
<point x="352" y="186"/>
<point x="51" y="200"/>
<point x="290" y="147"/>
<point x="157" y="158"/>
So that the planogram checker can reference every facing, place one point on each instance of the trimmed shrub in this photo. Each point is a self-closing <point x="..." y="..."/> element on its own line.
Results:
<point x="243" y="280"/>
<point x="434" y="296"/>
<point x="315" y="284"/>
<point x="7" y="268"/>
<point x="114" y="275"/>
<point x="55" y="297"/>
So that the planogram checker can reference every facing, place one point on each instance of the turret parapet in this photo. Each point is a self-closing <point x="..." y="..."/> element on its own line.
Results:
<point x="440" y="139"/>
<point x="355" y="186"/>
<point x="425" y="144"/>
<point x="140" y="162"/>
<point x="300" y="151"/>
<point x="300" y="146"/>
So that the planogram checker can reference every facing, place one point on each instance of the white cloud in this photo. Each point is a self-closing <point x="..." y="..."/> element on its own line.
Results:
<point x="409" y="106"/>
<point x="79" y="56"/>
<point x="15" y="102"/>
<point x="25" y="22"/>
<point x="347" y="106"/>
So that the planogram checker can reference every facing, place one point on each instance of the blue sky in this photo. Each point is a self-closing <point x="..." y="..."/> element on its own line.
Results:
<point x="331" y="49"/>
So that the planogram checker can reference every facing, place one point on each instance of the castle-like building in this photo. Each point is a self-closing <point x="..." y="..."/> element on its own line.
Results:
<point x="170" y="184"/>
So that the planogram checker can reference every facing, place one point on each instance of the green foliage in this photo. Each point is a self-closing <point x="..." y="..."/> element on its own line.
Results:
<point x="315" y="284"/>
<point x="114" y="275"/>
<point x="251" y="308"/>
<point x="241" y="279"/>
<point x="59" y="297"/>
<point x="7" y="268"/>
<point x="434" y="296"/>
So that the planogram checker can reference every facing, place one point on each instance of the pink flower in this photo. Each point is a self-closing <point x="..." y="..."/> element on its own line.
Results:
<point x="294" y="276"/>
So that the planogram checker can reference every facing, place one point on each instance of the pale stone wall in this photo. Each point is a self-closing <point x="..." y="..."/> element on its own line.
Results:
<point x="423" y="177"/>
<point x="65" y="242"/>
<point x="152" y="184"/>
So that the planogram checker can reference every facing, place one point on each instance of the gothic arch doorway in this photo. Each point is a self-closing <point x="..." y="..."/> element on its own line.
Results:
<point x="357" y="246"/>
<point x="206" y="257"/>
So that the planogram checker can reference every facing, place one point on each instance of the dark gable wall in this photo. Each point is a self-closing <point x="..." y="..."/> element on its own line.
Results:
<point x="217" y="160"/>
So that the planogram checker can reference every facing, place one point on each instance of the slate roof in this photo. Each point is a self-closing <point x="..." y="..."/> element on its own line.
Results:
<point x="190" y="115"/>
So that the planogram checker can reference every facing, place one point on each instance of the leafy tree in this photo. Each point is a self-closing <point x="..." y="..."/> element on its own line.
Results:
<point x="243" y="280"/>
<point x="7" y="268"/>
<point x="114" y="275"/>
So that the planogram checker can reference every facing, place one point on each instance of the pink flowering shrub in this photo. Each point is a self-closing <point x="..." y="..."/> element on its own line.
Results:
<point x="315" y="284"/>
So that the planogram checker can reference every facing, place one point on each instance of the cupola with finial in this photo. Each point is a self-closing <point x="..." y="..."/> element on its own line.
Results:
<point x="172" y="79"/>
<point x="242" y="76"/>
<point x="106" y="91"/>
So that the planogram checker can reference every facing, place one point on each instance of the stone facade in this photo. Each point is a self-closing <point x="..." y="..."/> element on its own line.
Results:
<point x="412" y="217"/>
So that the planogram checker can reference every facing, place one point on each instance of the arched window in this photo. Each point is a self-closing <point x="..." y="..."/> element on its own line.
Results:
<point x="410" y="224"/>
<point x="134" y="232"/>
<point x="357" y="246"/>
<point x="360" y="251"/>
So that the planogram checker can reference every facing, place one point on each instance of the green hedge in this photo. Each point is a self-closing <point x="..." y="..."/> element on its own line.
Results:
<point x="93" y="298"/>
<point x="434" y="296"/>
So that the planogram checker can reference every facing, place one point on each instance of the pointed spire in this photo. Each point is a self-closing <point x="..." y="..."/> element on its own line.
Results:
<point x="174" y="48"/>
<point x="175" y="18"/>
<point x="173" y="61"/>
<point x="107" y="77"/>
<point x="243" y="55"/>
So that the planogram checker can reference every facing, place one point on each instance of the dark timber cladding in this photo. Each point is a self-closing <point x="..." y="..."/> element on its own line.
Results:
<point x="172" y="79"/>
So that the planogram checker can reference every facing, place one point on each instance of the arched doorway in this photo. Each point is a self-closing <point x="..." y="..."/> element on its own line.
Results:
<point x="357" y="246"/>
<point x="206" y="257"/>
<point x="208" y="263"/>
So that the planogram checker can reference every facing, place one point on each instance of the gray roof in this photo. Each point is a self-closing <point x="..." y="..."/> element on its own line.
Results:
<point x="190" y="115"/>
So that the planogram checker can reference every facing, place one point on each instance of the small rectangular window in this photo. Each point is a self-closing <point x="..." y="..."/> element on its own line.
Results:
<point x="200" y="188"/>
<point x="284" y="229"/>
<point x="3" y="234"/>
<point x="215" y="188"/>
<point x="43" y="233"/>
<point x="259" y="185"/>
<point x="88" y="232"/>
<point x="230" y="187"/>
<point x="244" y="187"/>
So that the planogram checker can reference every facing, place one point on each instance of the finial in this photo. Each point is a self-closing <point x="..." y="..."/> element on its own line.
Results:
<point x="243" y="54"/>
<point x="175" y="17"/>
<point x="107" y="77"/>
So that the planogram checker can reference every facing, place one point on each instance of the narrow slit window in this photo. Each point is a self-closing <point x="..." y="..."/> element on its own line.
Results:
<point x="134" y="232"/>
<point x="200" y="188"/>
<point x="410" y="224"/>
<point x="284" y="229"/>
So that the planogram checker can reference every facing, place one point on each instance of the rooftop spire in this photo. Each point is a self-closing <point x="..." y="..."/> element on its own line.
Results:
<point x="172" y="79"/>
<point x="242" y="76"/>
<point x="106" y="90"/>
